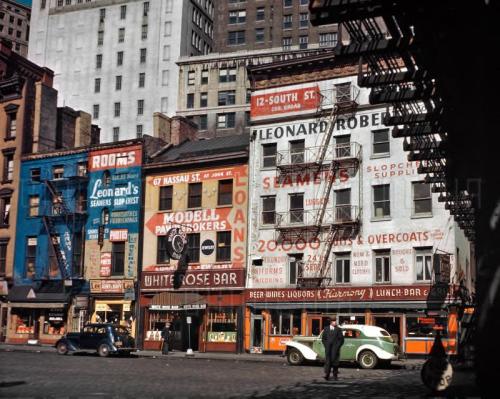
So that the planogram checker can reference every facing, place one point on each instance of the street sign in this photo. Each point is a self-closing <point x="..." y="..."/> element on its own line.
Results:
<point x="188" y="319"/>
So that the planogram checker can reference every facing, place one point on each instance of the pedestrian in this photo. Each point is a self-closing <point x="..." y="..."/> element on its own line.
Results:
<point x="165" y="334"/>
<point x="332" y="339"/>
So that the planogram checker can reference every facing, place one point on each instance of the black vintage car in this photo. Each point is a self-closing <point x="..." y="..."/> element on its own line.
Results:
<point x="101" y="337"/>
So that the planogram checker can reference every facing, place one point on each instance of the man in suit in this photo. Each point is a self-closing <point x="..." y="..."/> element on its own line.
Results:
<point x="332" y="339"/>
<point x="165" y="334"/>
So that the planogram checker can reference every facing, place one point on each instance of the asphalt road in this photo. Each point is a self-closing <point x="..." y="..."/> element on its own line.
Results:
<point x="30" y="374"/>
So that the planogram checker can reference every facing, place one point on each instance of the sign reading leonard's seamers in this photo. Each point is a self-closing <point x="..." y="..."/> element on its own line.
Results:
<point x="176" y="243"/>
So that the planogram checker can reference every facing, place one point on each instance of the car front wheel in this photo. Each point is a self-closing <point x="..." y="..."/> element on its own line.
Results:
<point x="294" y="357"/>
<point x="62" y="348"/>
<point x="103" y="350"/>
<point x="367" y="360"/>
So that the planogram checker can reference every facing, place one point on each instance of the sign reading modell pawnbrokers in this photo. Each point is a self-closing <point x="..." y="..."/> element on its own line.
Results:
<point x="279" y="102"/>
<point x="199" y="279"/>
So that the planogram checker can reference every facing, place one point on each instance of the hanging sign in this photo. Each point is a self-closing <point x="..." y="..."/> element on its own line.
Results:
<point x="176" y="243"/>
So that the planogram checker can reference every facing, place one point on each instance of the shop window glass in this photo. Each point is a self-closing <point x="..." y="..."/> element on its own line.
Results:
<point x="422" y="326"/>
<point x="24" y="320"/>
<point x="222" y="325"/>
<point x="54" y="322"/>
<point x="350" y="319"/>
<point x="285" y="322"/>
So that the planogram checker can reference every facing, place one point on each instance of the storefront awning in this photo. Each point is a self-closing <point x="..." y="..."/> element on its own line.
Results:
<point x="178" y="301"/>
<point x="37" y="305"/>
<point x="29" y="295"/>
<point x="339" y="305"/>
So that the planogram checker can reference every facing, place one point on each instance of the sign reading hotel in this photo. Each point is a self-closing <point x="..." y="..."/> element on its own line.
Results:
<point x="279" y="102"/>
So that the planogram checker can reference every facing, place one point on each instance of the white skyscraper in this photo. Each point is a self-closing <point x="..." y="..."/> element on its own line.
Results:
<point x="116" y="59"/>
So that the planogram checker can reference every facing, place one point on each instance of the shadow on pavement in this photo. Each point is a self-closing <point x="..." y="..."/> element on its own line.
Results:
<point x="11" y="384"/>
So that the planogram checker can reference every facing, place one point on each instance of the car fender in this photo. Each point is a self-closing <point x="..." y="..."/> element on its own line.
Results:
<point x="112" y="347"/>
<point x="307" y="352"/>
<point x="381" y="354"/>
<point x="72" y="346"/>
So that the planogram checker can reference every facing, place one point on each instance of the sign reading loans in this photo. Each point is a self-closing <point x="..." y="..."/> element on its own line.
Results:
<point x="176" y="243"/>
<point x="282" y="102"/>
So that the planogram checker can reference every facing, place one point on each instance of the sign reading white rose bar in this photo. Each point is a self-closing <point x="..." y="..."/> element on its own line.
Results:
<point x="198" y="279"/>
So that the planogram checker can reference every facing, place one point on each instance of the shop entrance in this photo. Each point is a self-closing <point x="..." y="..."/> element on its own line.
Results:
<point x="183" y="332"/>
<point x="316" y="323"/>
<point x="256" y="333"/>
<point x="392" y="324"/>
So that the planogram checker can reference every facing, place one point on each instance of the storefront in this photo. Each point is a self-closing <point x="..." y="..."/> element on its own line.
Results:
<point x="274" y="316"/>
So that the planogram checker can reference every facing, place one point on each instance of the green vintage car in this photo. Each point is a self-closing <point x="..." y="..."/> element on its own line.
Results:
<point x="368" y="346"/>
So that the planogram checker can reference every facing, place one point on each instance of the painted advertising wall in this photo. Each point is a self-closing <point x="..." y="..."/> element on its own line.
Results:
<point x="404" y="233"/>
<point x="34" y="255"/>
<point x="207" y="272"/>
<point x="114" y="201"/>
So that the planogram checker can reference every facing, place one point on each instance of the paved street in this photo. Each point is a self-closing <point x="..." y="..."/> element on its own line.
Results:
<point x="31" y="374"/>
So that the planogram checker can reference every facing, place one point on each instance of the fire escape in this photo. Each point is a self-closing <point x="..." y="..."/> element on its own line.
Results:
<point x="325" y="223"/>
<point x="393" y="66"/>
<point x="61" y="213"/>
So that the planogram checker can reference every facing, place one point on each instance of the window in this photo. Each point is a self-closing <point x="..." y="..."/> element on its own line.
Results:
<point x="260" y="15"/>
<point x="227" y="75"/>
<point x="81" y="170"/>
<point x="34" y="205"/>
<point x="342" y="268"/>
<point x="237" y="17"/>
<point x="296" y="201"/>
<point x="97" y="85"/>
<point x="269" y="155"/>
<point x="423" y="266"/>
<point x="303" y="42"/>
<point x="226" y="97"/>
<point x="11" y="125"/>
<point x="421" y="325"/>
<point x="328" y="39"/>
<point x="236" y="37"/>
<point x="3" y="255"/>
<point x="142" y="79"/>
<point x="31" y="245"/>
<point x="118" y="82"/>
<point x="422" y="198"/>
<point x="121" y="35"/>
<point x="287" y="3"/>
<point x="8" y="166"/>
<point x="100" y="38"/>
<point x="225" y="193"/>
<point x="102" y="14"/>
<point x="381" y="201"/>
<point x="285" y="322"/>
<point x="145" y="8"/>
<point x="203" y="122"/>
<point x="117" y="108"/>
<point x="98" y="61"/>
<point x="223" y="253"/>
<point x="203" y="100"/>
<point x="35" y="175"/>
<point x="116" y="133"/>
<point x="248" y="98"/>
<point x="77" y="253"/>
<point x="381" y="144"/>
<point x="123" y="12"/>
<point x="287" y="22"/>
<point x="287" y="43"/>
<point x="343" y="205"/>
<point x="161" y="250"/>
<point x="194" y="195"/>
<point x="4" y="210"/>
<point x="343" y="146"/>
<point x="269" y="209"/>
<point x="304" y="2"/>
<point x="382" y="267"/>
<point x="193" y="247"/>
<point x="138" y="131"/>
<point x="294" y="267"/>
<point x="204" y="77"/>
<point x="165" y="202"/>
<point x="142" y="55"/>
<point x="117" y="258"/>
<point x="140" y="107"/>
<point x="119" y="58"/>
<point x="95" y="111"/>
<point x="297" y="151"/>
<point x="190" y="100"/>
<point x="259" y="35"/>
<point x="144" y="32"/>
<point x="191" y="78"/>
<point x="165" y="77"/>
<point x="226" y="120"/>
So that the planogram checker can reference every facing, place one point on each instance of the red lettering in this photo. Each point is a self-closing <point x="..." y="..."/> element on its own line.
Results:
<point x="239" y="234"/>
<point x="239" y="216"/>
<point x="240" y="197"/>
<point x="238" y="255"/>
<point x="266" y="183"/>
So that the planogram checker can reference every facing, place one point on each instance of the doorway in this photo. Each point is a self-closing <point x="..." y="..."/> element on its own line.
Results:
<point x="186" y="334"/>
<point x="256" y="333"/>
<point x="392" y="324"/>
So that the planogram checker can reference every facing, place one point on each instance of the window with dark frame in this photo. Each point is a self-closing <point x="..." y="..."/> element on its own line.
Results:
<point x="225" y="193"/>
<point x="117" y="109"/>
<point x="383" y="267"/>
<point x="77" y="253"/>
<point x="193" y="247"/>
<point x="35" y="175"/>
<point x="203" y="100"/>
<point x="166" y="196"/>
<point x="34" y="205"/>
<point x="3" y="256"/>
<point x="237" y="17"/>
<point x="223" y="253"/>
<point x="98" y="61"/>
<point x="30" y="265"/>
<point x="269" y="209"/>
<point x="287" y="21"/>
<point x="142" y="79"/>
<point x="269" y="152"/>
<point x="227" y="97"/>
<point x="119" y="58"/>
<point x="423" y="265"/>
<point x="123" y="12"/>
<point x="195" y="195"/>
<point x="161" y="250"/>
<point x="191" y="78"/>
<point x="296" y="207"/>
<point x="204" y="76"/>
<point x="203" y="122"/>
<point x="381" y="201"/>
<point x="294" y="266"/>
<point x="381" y="143"/>
<point x="8" y="166"/>
<point x="226" y="120"/>
<point x="97" y="85"/>
<point x="236" y="37"/>
<point x="117" y="258"/>
<point x="297" y="151"/>
<point x="5" y="210"/>
<point x="227" y="75"/>
<point x="342" y="268"/>
<point x="190" y="100"/>
<point x="121" y="35"/>
<point x="422" y="198"/>
<point x="260" y="15"/>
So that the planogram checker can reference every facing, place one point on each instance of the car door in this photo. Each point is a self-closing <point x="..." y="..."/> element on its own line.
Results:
<point x="351" y="344"/>
<point x="318" y="347"/>
<point x="100" y="335"/>
<point x="87" y="337"/>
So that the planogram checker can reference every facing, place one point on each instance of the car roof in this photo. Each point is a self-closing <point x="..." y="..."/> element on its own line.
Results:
<point x="371" y="331"/>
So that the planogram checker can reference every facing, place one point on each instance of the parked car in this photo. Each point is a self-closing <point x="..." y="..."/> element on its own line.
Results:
<point x="104" y="338"/>
<point x="368" y="346"/>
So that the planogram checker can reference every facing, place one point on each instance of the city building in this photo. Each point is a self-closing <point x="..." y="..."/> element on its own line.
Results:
<point x="116" y="60"/>
<point x="15" y="25"/>
<point x="214" y="89"/>
<point x="255" y="25"/>
<point x="341" y="223"/>
<point x="195" y="195"/>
